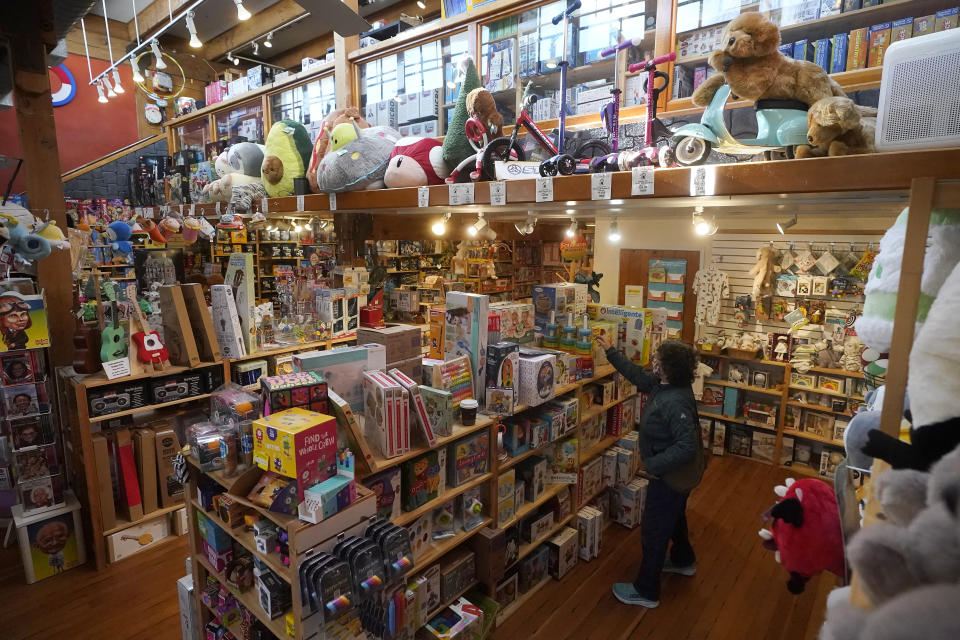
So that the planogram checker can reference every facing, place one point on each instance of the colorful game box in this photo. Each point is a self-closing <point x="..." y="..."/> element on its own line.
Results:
<point x="438" y="405"/>
<point x="465" y="333"/>
<point x="306" y="389"/>
<point x="469" y="459"/>
<point x="420" y="480"/>
<point x="503" y="360"/>
<point x="298" y="444"/>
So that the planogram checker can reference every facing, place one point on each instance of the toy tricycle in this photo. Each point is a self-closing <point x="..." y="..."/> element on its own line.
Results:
<point x="781" y="126"/>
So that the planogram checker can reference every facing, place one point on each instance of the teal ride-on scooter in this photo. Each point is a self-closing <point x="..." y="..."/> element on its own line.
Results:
<point x="781" y="126"/>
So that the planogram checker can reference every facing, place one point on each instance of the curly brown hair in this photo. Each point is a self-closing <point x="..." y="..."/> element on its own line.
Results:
<point x="678" y="361"/>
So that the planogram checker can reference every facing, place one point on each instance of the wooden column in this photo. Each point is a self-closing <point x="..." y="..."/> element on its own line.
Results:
<point x="41" y="164"/>
<point x="353" y="230"/>
<point x="343" y="70"/>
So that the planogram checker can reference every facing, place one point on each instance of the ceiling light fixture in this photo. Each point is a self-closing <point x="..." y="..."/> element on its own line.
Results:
<point x="421" y="4"/>
<point x="440" y="226"/>
<point x="242" y="13"/>
<point x="572" y="229"/>
<point x="116" y="81"/>
<point x="137" y="76"/>
<point x="269" y="41"/>
<point x="323" y="224"/>
<point x="614" y="235"/>
<point x="192" y="28"/>
<point x="256" y="48"/>
<point x="783" y="226"/>
<point x="155" y="46"/>
<point x="526" y="227"/>
<point x="702" y="225"/>
<point x="110" y="92"/>
<point x="297" y="228"/>
<point x="475" y="228"/>
<point x="100" y="97"/>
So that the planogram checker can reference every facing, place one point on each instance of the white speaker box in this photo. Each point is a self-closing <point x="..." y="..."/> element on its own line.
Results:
<point x="920" y="93"/>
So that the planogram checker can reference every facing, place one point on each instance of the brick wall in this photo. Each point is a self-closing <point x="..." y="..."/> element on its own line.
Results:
<point x="110" y="180"/>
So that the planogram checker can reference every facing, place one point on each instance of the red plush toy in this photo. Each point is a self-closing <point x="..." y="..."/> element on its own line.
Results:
<point x="416" y="162"/>
<point x="805" y="532"/>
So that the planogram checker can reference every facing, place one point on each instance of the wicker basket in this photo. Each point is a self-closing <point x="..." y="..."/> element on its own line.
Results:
<point x="742" y="354"/>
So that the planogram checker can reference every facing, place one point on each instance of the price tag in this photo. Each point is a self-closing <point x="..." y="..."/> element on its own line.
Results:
<point x="545" y="189"/>
<point x="703" y="180"/>
<point x="181" y="209"/>
<point x="498" y="193"/>
<point x="138" y="211"/>
<point x="193" y="208"/>
<point x="461" y="193"/>
<point x="333" y="202"/>
<point x="148" y="213"/>
<point x="423" y="196"/>
<point x="642" y="181"/>
<point x="300" y="203"/>
<point x="117" y="368"/>
<point x="600" y="186"/>
<point x="264" y="207"/>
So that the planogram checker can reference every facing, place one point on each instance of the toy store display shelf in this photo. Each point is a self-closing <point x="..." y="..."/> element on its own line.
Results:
<point x="717" y="354"/>
<point x="245" y="539"/>
<point x="379" y="463"/>
<point x="232" y="628"/>
<point x="800" y="469"/>
<point x="739" y="420"/>
<point x="433" y="614"/>
<point x="514" y="461"/>
<point x="825" y="392"/>
<point x="407" y="517"/>
<point x="774" y="391"/>
<point x="149" y="407"/>
<point x="595" y="411"/>
<point x="529" y="547"/>
<point x="300" y="346"/>
<point x="100" y="379"/>
<point x="551" y="491"/>
<point x="598" y="448"/>
<point x="740" y="455"/>
<point x="817" y="407"/>
<point x="791" y="433"/>
<point x="837" y="372"/>
<point x="516" y="605"/>
<point x="150" y="516"/>
<point x="440" y="548"/>
<point x="248" y="599"/>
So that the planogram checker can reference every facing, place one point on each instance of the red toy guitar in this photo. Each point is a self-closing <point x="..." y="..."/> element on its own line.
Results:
<point x="149" y="348"/>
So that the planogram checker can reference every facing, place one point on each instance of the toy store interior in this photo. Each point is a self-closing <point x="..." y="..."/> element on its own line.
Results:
<point x="479" y="319"/>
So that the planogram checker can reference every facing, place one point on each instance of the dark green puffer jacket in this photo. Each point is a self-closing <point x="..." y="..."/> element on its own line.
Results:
<point x="670" y="444"/>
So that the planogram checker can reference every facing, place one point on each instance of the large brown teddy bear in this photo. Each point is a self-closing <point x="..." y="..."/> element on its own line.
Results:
<point x="481" y="105"/>
<point x="752" y="65"/>
<point x="836" y="128"/>
<point x="322" y="144"/>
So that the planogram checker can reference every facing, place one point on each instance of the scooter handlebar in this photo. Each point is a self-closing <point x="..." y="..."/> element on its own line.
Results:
<point x="573" y="6"/>
<point x="649" y="64"/>
<point x="626" y="44"/>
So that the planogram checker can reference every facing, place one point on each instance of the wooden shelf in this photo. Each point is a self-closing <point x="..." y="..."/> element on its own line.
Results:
<point x="825" y="392"/>
<point x="440" y="548"/>
<point x="598" y="448"/>
<point x="378" y="463"/>
<point x="816" y="407"/>
<point x="802" y="469"/>
<point x="514" y="461"/>
<point x="517" y="604"/>
<point x="740" y="420"/>
<point x="810" y="436"/>
<point x="550" y="492"/>
<point x="746" y="387"/>
<point x="248" y="599"/>
<point x="407" y="517"/>
<point x="100" y="379"/>
<point x="433" y="614"/>
<point x="838" y="372"/>
<point x="150" y="516"/>
<point x="601" y="372"/>
<point x="149" y="407"/>
<point x="716" y="354"/>
<point x="529" y="547"/>
<point x="600" y="410"/>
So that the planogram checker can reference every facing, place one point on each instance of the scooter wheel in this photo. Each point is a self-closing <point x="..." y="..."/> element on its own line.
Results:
<point x="691" y="151"/>
<point x="548" y="168"/>
<point x="566" y="165"/>
<point x="499" y="149"/>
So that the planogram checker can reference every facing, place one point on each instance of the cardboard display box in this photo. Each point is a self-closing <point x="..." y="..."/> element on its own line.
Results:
<point x="401" y="341"/>
<point x="168" y="446"/>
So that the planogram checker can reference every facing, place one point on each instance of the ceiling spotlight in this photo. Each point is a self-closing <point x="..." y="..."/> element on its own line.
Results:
<point x="231" y="59"/>
<point x="110" y="92"/>
<point x="269" y="41"/>
<point x="572" y="229"/>
<point x="242" y="13"/>
<point x="256" y="48"/>
<point x="614" y="235"/>
<point x="323" y="224"/>
<point x="783" y="226"/>
<point x="116" y="81"/>
<point x="421" y="4"/>
<point x="702" y="225"/>
<point x="156" y="54"/>
<point x="440" y="226"/>
<point x="192" y="28"/>
<point x="297" y="228"/>
<point x="137" y="76"/>
<point x="100" y="97"/>
<point x="526" y="227"/>
<point x="475" y="228"/>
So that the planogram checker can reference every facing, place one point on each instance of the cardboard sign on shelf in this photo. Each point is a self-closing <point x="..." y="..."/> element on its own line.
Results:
<point x="101" y="453"/>
<point x="177" y="335"/>
<point x="201" y="322"/>
<point x="145" y="453"/>
<point x="131" y="503"/>
<point x="240" y="278"/>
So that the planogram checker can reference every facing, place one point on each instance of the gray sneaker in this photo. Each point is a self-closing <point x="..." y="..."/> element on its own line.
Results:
<point x="625" y="593"/>
<point x="689" y="570"/>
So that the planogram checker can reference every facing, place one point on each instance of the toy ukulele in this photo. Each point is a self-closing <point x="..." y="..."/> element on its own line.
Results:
<point x="149" y="348"/>
<point x="113" y="343"/>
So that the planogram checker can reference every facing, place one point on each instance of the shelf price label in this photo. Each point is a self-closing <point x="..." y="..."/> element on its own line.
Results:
<point x="601" y="186"/>
<point x="148" y="213"/>
<point x="138" y="212"/>
<point x="117" y="368"/>
<point x="703" y="180"/>
<point x="423" y="196"/>
<point x="461" y="193"/>
<point x="218" y="207"/>
<point x="264" y="207"/>
<point x="300" y="202"/>
<point x="333" y="202"/>
<point x="498" y="193"/>
<point x="193" y="208"/>
<point x="641" y="183"/>
<point x="545" y="189"/>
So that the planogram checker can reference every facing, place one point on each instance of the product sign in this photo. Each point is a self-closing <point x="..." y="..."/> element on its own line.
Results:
<point x="333" y="202"/>
<point x="600" y="186"/>
<point x="573" y="248"/>
<point x="544" y="189"/>
<point x="498" y="193"/>
<point x="461" y="193"/>
<point x="423" y="196"/>
<point x="641" y="183"/>
<point x="516" y="169"/>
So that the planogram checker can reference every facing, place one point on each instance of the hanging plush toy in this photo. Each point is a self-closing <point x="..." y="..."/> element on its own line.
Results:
<point x="805" y="531"/>
<point x="20" y="243"/>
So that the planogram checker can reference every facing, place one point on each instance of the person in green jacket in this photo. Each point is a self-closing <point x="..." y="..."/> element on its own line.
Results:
<point x="673" y="460"/>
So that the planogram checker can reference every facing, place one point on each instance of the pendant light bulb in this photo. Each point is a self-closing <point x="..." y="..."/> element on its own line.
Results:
<point x="110" y="92"/>
<point x="137" y="76"/>
<point x="155" y="46"/>
<point x="702" y="225"/>
<point x="192" y="28"/>
<point x="572" y="229"/>
<point x="421" y="4"/>
<point x="269" y="41"/>
<point x="477" y="226"/>
<point x="102" y="99"/>
<point x="242" y="13"/>
<point x="256" y="48"/>
<point x="526" y="227"/>
<point x="116" y="81"/>
<point x="614" y="235"/>
<point x="298" y="227"/>
<point x="440" y="226"/>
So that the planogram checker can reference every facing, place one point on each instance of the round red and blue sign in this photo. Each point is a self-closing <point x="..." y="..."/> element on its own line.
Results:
<point x="68" y="86"/>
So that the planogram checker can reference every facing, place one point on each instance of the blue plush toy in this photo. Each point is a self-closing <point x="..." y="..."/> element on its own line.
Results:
<point x="118" y="234"/>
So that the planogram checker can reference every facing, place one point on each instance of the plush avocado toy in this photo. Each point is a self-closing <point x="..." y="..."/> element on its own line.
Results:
<point x="286" y="157"/>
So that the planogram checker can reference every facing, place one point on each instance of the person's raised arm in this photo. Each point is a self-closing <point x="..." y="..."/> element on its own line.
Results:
<point x="643" y="380"/>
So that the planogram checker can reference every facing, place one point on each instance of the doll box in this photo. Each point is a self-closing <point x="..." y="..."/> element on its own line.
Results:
<point x="469" y="459"/>
<point x="298" y="444"/>
<point x="502" y="362"/>
<point x="50" y="542"/>
<point x="563" y="552"/>
<point x="537" y="377"/>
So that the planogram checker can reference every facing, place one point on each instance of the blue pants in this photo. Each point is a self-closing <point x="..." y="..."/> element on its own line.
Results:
<point x="664" y="520"/>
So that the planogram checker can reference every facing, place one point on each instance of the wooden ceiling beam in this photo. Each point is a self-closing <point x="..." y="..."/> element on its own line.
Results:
<point x="97" y="38"/>
<point x="261" y="24"/>
<point x="154" y="16"/>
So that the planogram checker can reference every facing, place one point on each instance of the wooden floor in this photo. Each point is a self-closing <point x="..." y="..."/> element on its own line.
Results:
<point x="738" y="592"/>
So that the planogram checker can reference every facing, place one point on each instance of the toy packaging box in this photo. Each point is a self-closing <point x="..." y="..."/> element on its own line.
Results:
<point x="386" y="486"/>
<point x="558" y="298"/>
<point x="537" y="377"/>
<point x="417" y="408"/>
<point x="465" y="333"/>
<point x="457" y="572"/>
<point x="608" y="469"/>
<point x="629" y="500"/>
<point x="438" y="405"/>
<point x="420" y="480"/>
<point x="565" y="460"/>
<point x="516" y="321"/>
<point x="402" y="342"/>
<point x="502" y="363"/>
<point x="589" y="480"/>
<point x="469" y="458"/>
<point x="534" y="568"/>
<point x="633" y="337"/>
<point x="50" y="542"/>
<point x="587" y="525"/>
<point x="386" y="413"/>
<point x="533" y="472"/>
<point x="516" y="435"/>
<point x="461" y="619"/>
<point x="563" y="552"/>
<point x="342" y="369"/>
<point x="454" y="376"/>
<point x="499" y="401"/>
<point x="571" y="411"/>
<point x="306" y="389"/>
<point x="879" y="41"/>
<point x="298" y="444"/>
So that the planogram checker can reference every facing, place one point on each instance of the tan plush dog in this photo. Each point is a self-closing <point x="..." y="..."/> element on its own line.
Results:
<point x="836" y="128"/>
<point x="755" y="69"/>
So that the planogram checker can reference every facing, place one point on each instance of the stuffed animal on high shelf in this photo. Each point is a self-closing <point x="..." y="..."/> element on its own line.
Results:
<point x="751" y="63"/>
<point x="360" y="163"/>
<point x="286" y="157"/>
<point x="415" y="162"/>
<point x="322" y="146"/>
<point x="836" y="128"/>
<point x="805" y="531"/>
<point x="482" y="106"/>
<point x="456" y="145"/>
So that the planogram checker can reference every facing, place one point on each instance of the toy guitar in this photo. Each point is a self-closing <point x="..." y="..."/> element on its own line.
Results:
<point x="113" y="343"/>
<point x="149" y="348"/>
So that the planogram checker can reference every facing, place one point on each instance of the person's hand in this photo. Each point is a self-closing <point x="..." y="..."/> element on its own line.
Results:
<point x="604" y="341"/>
